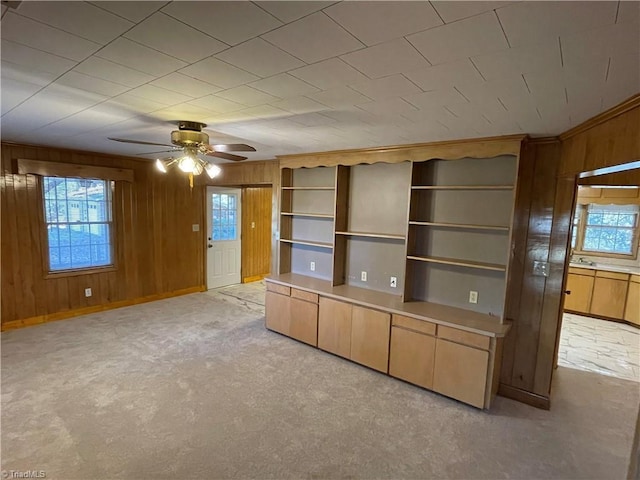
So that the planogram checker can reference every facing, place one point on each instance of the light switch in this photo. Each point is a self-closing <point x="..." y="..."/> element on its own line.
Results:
<point x="195" y="227"/>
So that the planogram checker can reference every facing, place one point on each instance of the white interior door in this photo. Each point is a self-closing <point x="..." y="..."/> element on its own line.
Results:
<point x="223" y="236"/>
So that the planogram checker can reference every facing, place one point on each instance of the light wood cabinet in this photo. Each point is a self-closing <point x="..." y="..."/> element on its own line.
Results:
<point x="370" y="330"/>
<point x="609" y="294"/>
<point x="334" y="327"/>
<point x="278" y="316"/>
<point x="303" y="321"/>
<point x="632" y="309"/>
<point x="460" y="372"/>
<point x="411" y="356"/>
<point x="581" y="288"/>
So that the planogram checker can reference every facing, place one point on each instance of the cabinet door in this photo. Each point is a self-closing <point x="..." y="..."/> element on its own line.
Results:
<point x="460" y="372"/>
<point x="278" y="317"/>
<point x="370" y="330"/>
<point x="411" y="357"/>
<point x="581" y="287"/>
<point x="632" y="310"/>
<point x="334" y="327"/>
<point x="304" y="321"/>
<point x="609" y="296"/>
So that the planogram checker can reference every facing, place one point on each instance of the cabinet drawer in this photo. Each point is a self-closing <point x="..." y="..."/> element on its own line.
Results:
<point x="612" y="275"/>
<point x="303" y="295"/>
<point x="281" y="289"/>
<point x="467" y="338"/>
<point x="635" y="278"/>
<point x="413" y="324"/>
<point x="582" y="271"/>
<point x="411" y="357"/>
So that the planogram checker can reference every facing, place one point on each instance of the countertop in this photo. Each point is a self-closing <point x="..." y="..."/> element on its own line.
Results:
<point x="607" y="268"/>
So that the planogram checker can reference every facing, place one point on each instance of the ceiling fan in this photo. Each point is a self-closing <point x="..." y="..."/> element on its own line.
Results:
<point x="192" y="141"/>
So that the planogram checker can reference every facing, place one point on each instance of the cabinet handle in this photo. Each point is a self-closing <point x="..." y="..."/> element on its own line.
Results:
<point x="568" y="292"/>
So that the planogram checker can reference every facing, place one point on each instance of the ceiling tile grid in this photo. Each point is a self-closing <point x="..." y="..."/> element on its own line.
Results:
<point x="291" y="77"/>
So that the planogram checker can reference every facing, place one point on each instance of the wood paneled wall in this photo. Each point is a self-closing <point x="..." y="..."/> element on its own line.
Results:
<point x="256" y="232"/>
<point x="157" y="253"/>
<point x="546" y="196"/>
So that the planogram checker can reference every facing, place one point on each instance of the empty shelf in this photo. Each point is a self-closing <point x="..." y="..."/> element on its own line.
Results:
<point x="308" y="188"/>
<point x="312" y="215"/>
<point x="460" y="225"/>
<point x="307" y="242"/>
<point x="462" y="187"/>
<point x="460" y="263"/>
<point x="373" y="235"/>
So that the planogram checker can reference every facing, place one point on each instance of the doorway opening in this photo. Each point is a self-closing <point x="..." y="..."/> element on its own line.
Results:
<point x="600" y="330"/>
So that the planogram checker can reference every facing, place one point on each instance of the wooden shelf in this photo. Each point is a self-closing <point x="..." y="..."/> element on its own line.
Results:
<point x="312" y="215"/>
<point x="460" y="263"/>
<point x="372" y="235"/>
<point x="462" y="187"/>
<point x="308" y="188"/>
<point x="307" y="242"/>
<point x="460" y="225"/>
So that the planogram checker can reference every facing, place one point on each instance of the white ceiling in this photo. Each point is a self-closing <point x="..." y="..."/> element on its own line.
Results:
<point x="291" y="77"/>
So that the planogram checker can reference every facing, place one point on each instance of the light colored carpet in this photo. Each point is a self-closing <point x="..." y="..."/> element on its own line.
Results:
<point x="194" y="387"/>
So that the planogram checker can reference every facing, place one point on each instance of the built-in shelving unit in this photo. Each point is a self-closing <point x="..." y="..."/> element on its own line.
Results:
<point x="372" y="235"/>
<point x="306" y="242"/>
<point x="466" y="226"/>
<point x="462" y="187"/>
<point x="459" y="263"/>
<point x="311" y="215"/>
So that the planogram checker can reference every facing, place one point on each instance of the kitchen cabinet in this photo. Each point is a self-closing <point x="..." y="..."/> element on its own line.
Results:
<point x="609" y="294"/>
<point x="412" y="351"/>
<point x="290" y="315"/>
<point x="580" y="284"/>
<point x="632" y="308"/>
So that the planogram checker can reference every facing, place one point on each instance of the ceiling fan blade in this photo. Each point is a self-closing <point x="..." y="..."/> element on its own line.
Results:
<point x="226" y="156"/>
<point x="125" y="140"/>
<point x="161" y="151"/>
<point x="233" y="147"/>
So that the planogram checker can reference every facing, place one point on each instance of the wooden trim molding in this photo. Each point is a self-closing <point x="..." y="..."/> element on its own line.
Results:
<point x="628" y="104"/>
<point x="519" y="395"/>
<point x="29" y="322"/>
<point x="58" y="169"/>
<point x="450" y="150"/>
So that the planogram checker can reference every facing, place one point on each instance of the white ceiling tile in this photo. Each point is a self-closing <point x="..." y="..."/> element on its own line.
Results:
<point x="85" y="121"/>
<point x="247" y="96"/>
<point x="260" y="58"/>
<point x="166" y="34"/>
<point x="329" y="74"/>
<point x="217" y="104"/>
<point x="101" y="68"/>
<point x="133" y="55"/>
<point x="389" y="106"/>
<point x="134" y="11"/>
<point x="381" y="21"/>
<point x="535" y="22"/>
<point x="264" y="111"/>
<point x="41" y="61"/>
<point x="45" y="38"/>
<point x="601" y="43"/>
<point x="312" y="119"/>
<point x="436" y="98"/>
<point x="135" y="103"/>
<point x="289" y="11"/>
<point x="386" y="87"/>
<point x="15" y="92"/>
<point x="218" y="73"/>
<point x="91" y="84"/>
<point x="186" y="85"/>
<point x="396" y="56"/>
<point x="299" y="105"/>
<point x="313" y="38"/>
<point x="339" y="97"/>
<point x="160" y="95"/>
<point x="231" y="22"/>
<point x="79" y="18"/>
<point x="452" y="11"/>
<point x="23" y="73"/>
<point x="461" y="39"/>
<point x="184" y="111"/>
<point x="445" y="75"/>
<point x="283" y="86"/>
<point x="518" y="60"/>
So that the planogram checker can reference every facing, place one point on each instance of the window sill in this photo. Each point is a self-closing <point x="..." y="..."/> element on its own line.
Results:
<point x="621" y="256"/>
<point x="77" y="273"/>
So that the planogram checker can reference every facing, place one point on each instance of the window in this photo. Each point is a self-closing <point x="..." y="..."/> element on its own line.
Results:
<point x="608" y="230"/>
<point x="225" y="219"/>
<point x="79" y="222"/>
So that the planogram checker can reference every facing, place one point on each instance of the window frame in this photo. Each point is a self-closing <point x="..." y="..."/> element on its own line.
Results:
<point x="582" y="225"/>
<point x="71" y="272"/>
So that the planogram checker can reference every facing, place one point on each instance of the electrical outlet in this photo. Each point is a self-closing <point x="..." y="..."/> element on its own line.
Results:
<point x="87" y="292"/>
<point x="312" y="266"/>
<point x="394" y="282"/>
<point x="363" y="276"/>
<point x="195" y="227"/>
<point x="473" y="297"/>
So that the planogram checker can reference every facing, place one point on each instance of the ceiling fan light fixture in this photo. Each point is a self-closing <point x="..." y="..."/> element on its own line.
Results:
<point x="187" y="163"/>
<point x="212" y="170"/>
<point x="161" y="166"/>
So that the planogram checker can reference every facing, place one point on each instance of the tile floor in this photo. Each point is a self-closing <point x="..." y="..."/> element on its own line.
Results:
<point x="600" y="346"/>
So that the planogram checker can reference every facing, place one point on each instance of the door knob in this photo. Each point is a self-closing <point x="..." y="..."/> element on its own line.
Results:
<point x="209" y="246"/>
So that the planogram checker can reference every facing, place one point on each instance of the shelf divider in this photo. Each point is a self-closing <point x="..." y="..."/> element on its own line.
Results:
<point x="460" y="225"/>
<point x="459" y="263"/>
